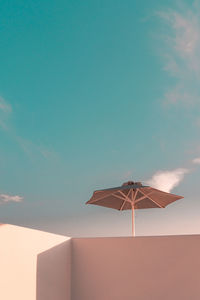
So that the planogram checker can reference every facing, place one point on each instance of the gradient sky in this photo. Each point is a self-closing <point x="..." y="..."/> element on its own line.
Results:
<point x="92" y="94"/>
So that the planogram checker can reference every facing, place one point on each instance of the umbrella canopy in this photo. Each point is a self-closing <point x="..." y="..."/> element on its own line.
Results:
<point x="132" y="195"/>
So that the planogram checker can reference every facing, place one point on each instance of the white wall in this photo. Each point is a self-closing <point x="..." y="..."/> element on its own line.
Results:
<point x="141" y="268"/>
<point x="34" y="265"/>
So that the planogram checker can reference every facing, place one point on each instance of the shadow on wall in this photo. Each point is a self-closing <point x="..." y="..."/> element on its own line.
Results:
<point x="54" y="273"/>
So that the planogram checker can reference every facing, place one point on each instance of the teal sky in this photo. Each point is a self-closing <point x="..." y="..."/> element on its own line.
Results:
<point x="92" y="94"/>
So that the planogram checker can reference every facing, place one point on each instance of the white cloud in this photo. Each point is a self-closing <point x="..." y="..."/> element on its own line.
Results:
<point x="167" y="180"/>
<point x="9" y="198"/>
<point x="196" y="160"/>
<point x="181" y="53"/>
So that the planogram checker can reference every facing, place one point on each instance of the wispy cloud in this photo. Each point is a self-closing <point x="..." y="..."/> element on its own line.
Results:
<point x="181" y="53"/>
<point x="30" y="148"/>
<point x="4" y="198"/>
<point x="196" y="161"/>
<point x="5" y="106"/>
<point x="33" y="150"/>
<point x="5" y="111"/>
<point x="167" y="180"/>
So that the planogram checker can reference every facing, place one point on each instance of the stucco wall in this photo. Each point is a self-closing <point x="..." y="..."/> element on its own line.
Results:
<point x="141" y="268"/>
<point x="34" y="265"/>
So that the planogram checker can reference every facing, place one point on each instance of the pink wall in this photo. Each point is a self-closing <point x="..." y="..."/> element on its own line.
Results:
<point x="141" y="268"/>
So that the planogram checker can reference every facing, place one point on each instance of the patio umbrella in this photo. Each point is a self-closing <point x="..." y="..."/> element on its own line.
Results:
<point x="132" y="195"/>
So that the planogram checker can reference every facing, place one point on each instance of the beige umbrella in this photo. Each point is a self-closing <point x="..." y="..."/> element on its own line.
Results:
<point x="132" y="195"/>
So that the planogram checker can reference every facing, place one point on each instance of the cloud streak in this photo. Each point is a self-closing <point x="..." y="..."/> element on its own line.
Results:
<point x="4" y="198"/>
<point x="5" y="106"/>
<point x="5" y="111"/>
<point x="28" y="147"/>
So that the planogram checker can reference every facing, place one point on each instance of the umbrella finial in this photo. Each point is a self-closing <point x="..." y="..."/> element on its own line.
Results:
<point x="131" y="183"/>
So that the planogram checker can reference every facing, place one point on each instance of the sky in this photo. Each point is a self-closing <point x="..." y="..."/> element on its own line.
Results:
<point x="93" y="94"/>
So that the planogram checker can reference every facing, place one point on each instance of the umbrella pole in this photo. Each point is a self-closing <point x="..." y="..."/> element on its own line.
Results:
<point x="133" y="233"/>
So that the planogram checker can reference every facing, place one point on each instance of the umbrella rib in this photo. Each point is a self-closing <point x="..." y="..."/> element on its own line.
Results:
<point x="152" y="200"/>
<point x="125" y="199"/>
<point x="100" y="198"/>
<point x="122" y="198"/>
<point x="129" y="192"/>
<point x="134" y="196"/>
<point x="143" y="197"/>
<point x="122" y="205"/>
<point x="113" y="194"/>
